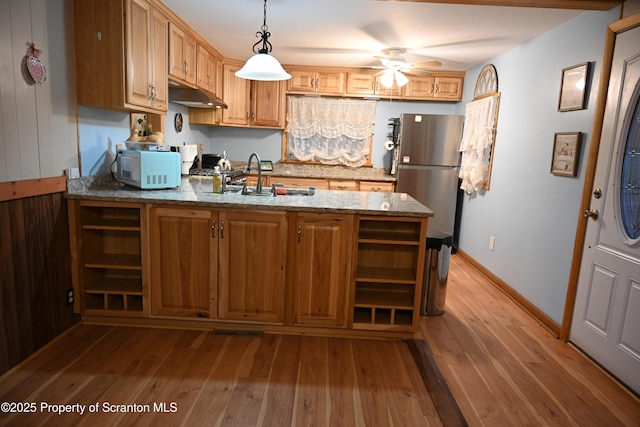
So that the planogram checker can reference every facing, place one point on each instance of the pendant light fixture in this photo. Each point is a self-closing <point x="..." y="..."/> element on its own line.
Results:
<point x="263" y="66"/>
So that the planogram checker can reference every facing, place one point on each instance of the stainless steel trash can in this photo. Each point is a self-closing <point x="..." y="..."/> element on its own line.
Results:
<point x="436" y="273"/>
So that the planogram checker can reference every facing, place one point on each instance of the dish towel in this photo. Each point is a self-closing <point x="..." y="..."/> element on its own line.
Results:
<point x="477" y="138"/>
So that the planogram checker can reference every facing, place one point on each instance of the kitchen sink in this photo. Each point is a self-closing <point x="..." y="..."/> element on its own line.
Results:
<point x="279" y="191"/>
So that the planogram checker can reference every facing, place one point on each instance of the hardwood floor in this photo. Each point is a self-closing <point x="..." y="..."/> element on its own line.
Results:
<point x="505" y="369"/>
<point x="501" y="366"/>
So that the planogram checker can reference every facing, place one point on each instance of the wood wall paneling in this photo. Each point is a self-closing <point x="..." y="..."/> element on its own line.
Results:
<point x="35" y="273"/>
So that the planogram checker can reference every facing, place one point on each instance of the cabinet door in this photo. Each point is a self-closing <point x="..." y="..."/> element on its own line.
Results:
<point x="267" y="104"/>
<point x="158" y="61"/>
<point x="139" y="75"/>
<point x="330" y="83"/>
<point x="419" y="87"/>
<point x="206" y="70"/>
<point x="184" y="254"/>
<point x="361" y="84"/>
<point x="182" y="55"/>
<point x="322" y="268"/>
<point x="253" y="250"/>
<point x="449" y="88"/>
<point x="235" y="94"/>
<point x="301" y="81"/>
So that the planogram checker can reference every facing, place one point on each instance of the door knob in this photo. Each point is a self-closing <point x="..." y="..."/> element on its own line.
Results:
<point x="593" y="213"/>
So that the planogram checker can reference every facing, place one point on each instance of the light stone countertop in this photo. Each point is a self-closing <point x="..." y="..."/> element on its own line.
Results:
<point x="198" y="191"/>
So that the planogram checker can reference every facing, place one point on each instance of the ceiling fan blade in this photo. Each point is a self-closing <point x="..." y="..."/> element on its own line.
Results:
<point x="426" y="64"/>
<point x="383" y="33"/>
<point x="418" y="72"/>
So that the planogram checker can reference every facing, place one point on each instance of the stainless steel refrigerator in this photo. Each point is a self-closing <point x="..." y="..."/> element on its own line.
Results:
<point x="427" y="165"/>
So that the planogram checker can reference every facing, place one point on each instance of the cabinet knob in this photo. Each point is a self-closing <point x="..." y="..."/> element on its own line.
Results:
<point x="222" y="229"/>
<point x="213" y="228"/>
<point x="299" y="233"/>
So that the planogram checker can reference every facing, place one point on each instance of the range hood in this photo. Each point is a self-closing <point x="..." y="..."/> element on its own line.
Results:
<point x="195" y="98"/>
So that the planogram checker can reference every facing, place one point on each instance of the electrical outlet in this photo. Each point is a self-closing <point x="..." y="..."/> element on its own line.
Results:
<point x="72" y="173"/>
<point x="492" y="242"/>
<point x="69" y="296"/>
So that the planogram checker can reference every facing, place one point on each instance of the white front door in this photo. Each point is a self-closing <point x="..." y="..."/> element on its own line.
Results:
<point x="606" y="320"/>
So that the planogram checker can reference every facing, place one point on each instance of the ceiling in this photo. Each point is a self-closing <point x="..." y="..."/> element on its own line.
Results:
<point x="350" y="32"/>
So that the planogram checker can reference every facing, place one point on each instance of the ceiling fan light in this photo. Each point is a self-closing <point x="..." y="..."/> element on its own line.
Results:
<point x="401" y="79"/>
<point x="387" y="79"/>
<point x="263" y="66"/>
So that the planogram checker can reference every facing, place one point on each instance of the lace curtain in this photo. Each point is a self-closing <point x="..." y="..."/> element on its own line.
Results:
<point x="330" y="131"/>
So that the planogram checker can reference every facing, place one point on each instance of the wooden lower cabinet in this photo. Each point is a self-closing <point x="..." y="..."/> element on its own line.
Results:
<point x="245" y="268"/>
<point x="322" y="269"/>
<point x="184" y="261"/>
<point x="251" y="276"/>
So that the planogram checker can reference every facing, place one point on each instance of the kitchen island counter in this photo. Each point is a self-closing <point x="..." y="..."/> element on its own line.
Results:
<point x="198" y="191"/>
<point x="337" y="263"/>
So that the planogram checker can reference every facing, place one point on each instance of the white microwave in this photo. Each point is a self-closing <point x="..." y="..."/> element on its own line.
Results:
<point x="149" y="170"/>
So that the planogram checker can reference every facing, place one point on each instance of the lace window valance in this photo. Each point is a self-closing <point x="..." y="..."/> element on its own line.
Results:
<point x="330" y="131"/>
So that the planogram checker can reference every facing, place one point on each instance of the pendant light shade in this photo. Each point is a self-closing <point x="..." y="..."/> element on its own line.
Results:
<point x="263" y="66"/>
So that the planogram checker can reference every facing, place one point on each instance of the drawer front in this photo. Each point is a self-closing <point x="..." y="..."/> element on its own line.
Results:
<point x="290" y="182"/>
<point x="376" y="186"/>
<point x="343" y="185"/>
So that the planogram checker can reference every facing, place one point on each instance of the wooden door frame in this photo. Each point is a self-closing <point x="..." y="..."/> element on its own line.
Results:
<point x="613" y="30"/>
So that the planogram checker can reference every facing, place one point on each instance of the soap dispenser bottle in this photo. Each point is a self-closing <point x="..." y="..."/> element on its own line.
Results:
<point x="217" y="180"/>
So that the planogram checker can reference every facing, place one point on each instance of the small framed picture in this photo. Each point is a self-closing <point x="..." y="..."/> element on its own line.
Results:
<point x="566" y="152"/>
<point x="573" y="88"/>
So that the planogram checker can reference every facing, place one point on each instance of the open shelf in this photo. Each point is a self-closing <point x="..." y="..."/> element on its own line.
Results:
<point x="389" y="261"/>
<point x="114" y="218"/>
<point x="111" y="257"/>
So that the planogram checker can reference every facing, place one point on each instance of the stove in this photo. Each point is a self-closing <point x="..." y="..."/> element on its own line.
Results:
<point x="233" y="175"/>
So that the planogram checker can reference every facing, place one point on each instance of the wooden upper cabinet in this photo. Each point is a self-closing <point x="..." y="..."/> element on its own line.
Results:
<point x="449" y="88"/>
<point x="434" y="87"/>
<point x="206" y="70"/>
<point x="310" y="81"/>
<point x="131" y="37"/>
<point x="252" y="103"/>
<point x="361" y="84"/>
<point x="182" y="55"/>
<point x="268" y="104"/>
<point x="420" y="87"/>
<point x="235" y="93"/>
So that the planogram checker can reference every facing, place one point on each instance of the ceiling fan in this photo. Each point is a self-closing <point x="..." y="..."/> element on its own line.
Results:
<point x="394" y="67"/>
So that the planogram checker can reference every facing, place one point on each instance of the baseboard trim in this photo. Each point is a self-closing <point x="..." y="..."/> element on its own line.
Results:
<point x="521" y="301"/>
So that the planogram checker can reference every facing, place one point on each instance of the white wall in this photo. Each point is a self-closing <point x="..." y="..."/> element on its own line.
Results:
<point x="532" y="213"/>
<point x="38" y="132"/>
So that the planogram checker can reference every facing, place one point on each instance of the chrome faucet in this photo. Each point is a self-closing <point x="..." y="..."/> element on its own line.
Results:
<point x="259" y="185"/>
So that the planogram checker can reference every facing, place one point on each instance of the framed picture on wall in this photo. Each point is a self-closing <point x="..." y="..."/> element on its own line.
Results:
<point x="573" y="88"/>
<point x="566" y="151"/>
